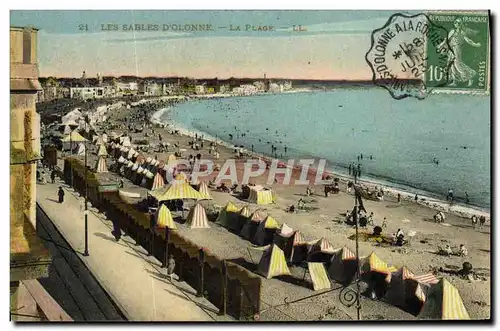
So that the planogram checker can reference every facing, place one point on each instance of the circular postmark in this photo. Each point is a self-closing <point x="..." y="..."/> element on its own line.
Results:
<point x="406" y="53"/>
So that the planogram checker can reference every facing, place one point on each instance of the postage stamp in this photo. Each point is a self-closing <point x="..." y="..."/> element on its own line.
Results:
<point x="468" y="63"/>
<point x="403" y="50"/>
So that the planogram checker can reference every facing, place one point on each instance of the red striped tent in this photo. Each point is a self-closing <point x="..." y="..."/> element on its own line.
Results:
<point x="396" y="290"/>
<point x="298" y="248"/>
<point x="204" y="191"/>
<point x="320" y="251"/>
<point x="197" y="217"/>
<point x="158" y="182"/>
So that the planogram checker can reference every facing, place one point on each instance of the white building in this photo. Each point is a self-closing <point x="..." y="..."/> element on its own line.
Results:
<point x="200" y="89"/>
<point x="245" y="90"/>
<point x="127" y="88"/>
<point x="84" y="93"/>
<point x="275" y="88"/>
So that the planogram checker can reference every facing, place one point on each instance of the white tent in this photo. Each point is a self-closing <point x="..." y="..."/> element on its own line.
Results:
<point x="101" y="165"/>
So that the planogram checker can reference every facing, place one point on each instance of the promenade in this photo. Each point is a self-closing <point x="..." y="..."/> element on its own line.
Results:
<point x="134" y="281"/>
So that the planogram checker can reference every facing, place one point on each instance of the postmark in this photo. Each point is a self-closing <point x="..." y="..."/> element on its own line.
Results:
<point x="468" y="61"/>
<point x="403" y="50"/>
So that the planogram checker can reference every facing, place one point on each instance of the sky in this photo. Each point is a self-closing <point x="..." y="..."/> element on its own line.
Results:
<point x="333" y="47"/>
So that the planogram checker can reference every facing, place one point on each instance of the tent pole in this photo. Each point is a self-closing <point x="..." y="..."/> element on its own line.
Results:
<point x="358" y="273"/>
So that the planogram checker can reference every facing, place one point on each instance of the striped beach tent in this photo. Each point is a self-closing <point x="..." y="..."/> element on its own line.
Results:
<point x="130" y="153"/>
<point x="298" y="249"/>
<point x="428" y="279"/>
<point x="261" y="195"/>
<point x="282" y="238"/>
<point x="177" y="191"/>
<point x="197" y="217"/>
<point x="250" y="227"/>
<point x="319" y="276"/>
<point x="265" y="231"/>
<point x="343" y="266"/>
<point x="171" y="159"/>
<point x="102" y="151"/>
<point x="443" y="303"/>
<point x="416" y="290"/>
<point x="321" y="251"/>
<point x="372" y="263"/>
<point x="396" y="291"/>
<point x="164" y="218"/>
<point x="228" y="214"/>
<point x="285" y="231"/>
<point x="157" y="182"/>
<point x="181" y="176"/>
<point x="204" y="191"/>
<point x="101" y="165"/>
<point x="273" y="263"/>
<point x="237" y="224"/>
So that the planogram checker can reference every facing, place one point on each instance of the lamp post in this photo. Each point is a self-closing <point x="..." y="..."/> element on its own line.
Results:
<point x="86" y="212"/>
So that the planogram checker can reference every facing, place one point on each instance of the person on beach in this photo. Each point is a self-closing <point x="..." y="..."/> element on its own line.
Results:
<point x="308" y="191"/>
<point x="371" y="219"/>
<point x="449" y="197"/>
<point x="399" y="198"/>
<point x="482" y="221"/>
<point x="416" y="198"/>
<point x="474" y="221"/>
<point x="170" y="267"/>
<point x="359" y="169"/>
<point x="466" y="197"/>
<point x="462" y="251"/>
<point x="349" y="169"/>
<point x="384" y="222"/>
<point x="60" y="193"/>
<point x="53" y="176"/>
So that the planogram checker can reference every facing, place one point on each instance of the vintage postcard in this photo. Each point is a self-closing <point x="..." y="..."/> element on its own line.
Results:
<point x="231" y="165"/>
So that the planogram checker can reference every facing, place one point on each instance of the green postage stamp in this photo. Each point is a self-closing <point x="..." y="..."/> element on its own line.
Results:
<point x="468" y="64"/>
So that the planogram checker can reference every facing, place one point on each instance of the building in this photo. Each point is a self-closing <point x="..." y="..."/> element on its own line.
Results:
<point x="29" y="259"/>
<point x="84" y="93"/>
<point x="149" y="89"/>
<point x="130" y="88"/>
<point x="246" y="89"/>
<point x="200" y="89"/>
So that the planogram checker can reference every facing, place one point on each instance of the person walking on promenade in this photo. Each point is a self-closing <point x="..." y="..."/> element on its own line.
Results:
<point x="170" y="267"/>
<point x="53" y="176"/>
<point x="350" y="169"/>
<point x="61" y="194"/>
<point x="359" y="169"/>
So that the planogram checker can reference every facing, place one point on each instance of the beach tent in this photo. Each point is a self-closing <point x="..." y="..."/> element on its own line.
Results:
<point x="204" y="191"/>
<point x="261" y="195"/>
<point x="237" y="223"/>
<point x="104" y="137"/>
<point x="67" y="130"/>
<point x="102" y="151"/>
<point x="250" y="227"/>
<point x="443" y="302"/>
<point x="73" y="138"/>
<point x="197" y="217"/>
<point x="273" y="263"/>
<point x="319" y="277"/>
<point x="70" y="122"/>
<point x="282" y="238"/>
<point x="343" y="266"/>
<point x="265" y="231"/>
<point x="177" y="191"/>
<point x="121" y="159"/>
<point x="416" y="290"/>
<point x="125" y="142"/>
<point x="181" y="176"/>
<point x="81" y="150"/>
<point x="428" y="279"/>
<point x="101" y="165"/>
<point x="372" y="263"/>
<point x="164" y="218"/>
<point x="396" y="291"/>
<point x="157" y="182"/>
<point x="171" y="159"/>
<point x="226" y="215"/>
<point x="130" y="153"/>
<point x="321" y="251"/>
<point x="99" y="141"/>
<point x="298" y="249"/>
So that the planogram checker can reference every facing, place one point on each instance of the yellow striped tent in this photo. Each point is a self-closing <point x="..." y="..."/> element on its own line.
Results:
<point x="273" y="263"/>
<point x="197" y="217"/>
<point x="226" y="215"/>
<point x="250" y="227"/>
<point x="204" y="191"/>
<point x="261" y="195"/>
<point x="265" y="231"/>
<point x="237" y="223"/>
<point x="178" y="190"/>
<point x="319" y="276"/>
<point x="321" y="251"/>
<point x="343" y="266"/>
<point x="181" y="176"/>
<point x="101" y="165"/>
<point x="171" y="159"/>
<point x="157" y="182"/>
<point x="443" y="303"/>
<point x="373" y="263"/>
<point x="102" y="151"/>
<point x="164" y="218"/>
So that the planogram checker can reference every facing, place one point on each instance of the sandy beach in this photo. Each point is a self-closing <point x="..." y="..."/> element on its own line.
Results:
<point x="326" y="220"/>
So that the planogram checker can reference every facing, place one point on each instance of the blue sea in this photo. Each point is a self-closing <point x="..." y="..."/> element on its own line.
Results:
<point x="402" y="136"/>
